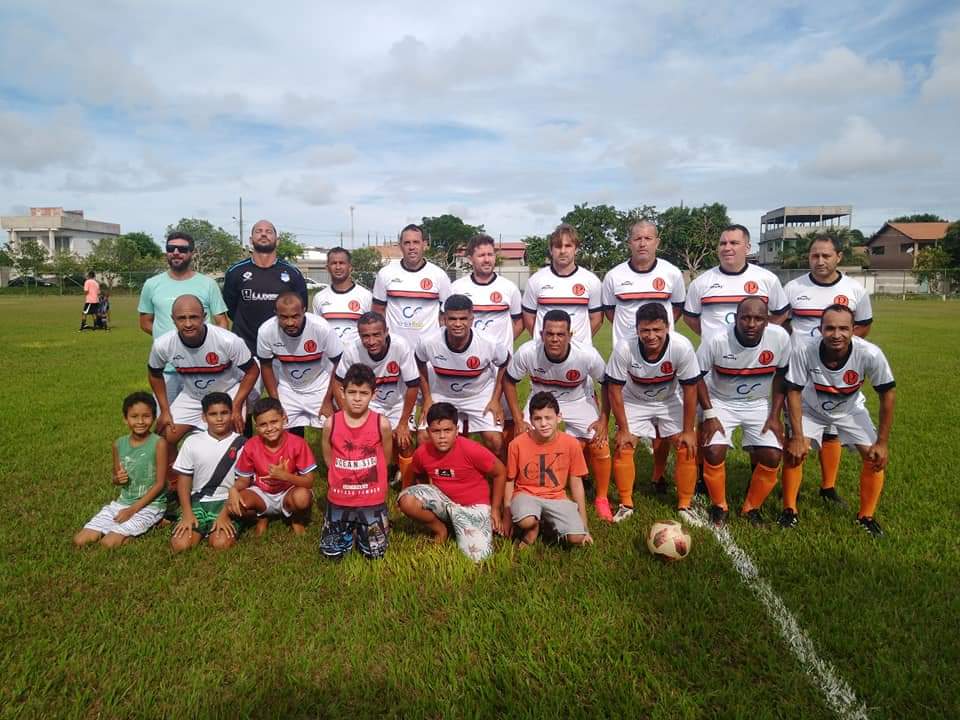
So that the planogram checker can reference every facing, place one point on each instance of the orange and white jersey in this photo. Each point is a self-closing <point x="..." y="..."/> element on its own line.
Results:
<point x="471" y="372"/>
<point x="835" y="393"/>
<point x="495" y="306"/>
<point x="394" y="370"/>
<point x="579" y="294"/>
<point x="570" y="379"/>
<point x="626" y="289"/>
<point x="657" y="380"/>
<point x="808" y="299"/>
<point x="412" y="298"/>
<point x="216" y="365"/>
<point x="714" y="295"/>
<point x="343" y="309"/>
<point x="303" y="361"/>
<point x="739" y="374"/>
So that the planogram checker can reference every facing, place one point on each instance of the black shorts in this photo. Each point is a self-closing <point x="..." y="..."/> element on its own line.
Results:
<point x="91" y="308"/>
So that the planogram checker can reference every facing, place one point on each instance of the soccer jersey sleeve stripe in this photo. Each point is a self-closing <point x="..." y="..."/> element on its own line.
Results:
<point x="882" y="388"/>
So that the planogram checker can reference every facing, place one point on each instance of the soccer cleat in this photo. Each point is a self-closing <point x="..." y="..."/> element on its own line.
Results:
<point x="602" y="506"/>
<point x="718" y="516"/>
<point x="701" y="488"/>
<point x="830" y="496"/>
<point x="753" y="517"/>
<point x="660" y="486"/>
<point x="688" y="515"/>
<point x="623" y="512"/>
<point x="871" y="526"/>
<point x="788" y="519"/>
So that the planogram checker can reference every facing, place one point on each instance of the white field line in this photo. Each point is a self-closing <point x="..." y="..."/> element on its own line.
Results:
<point x="839" y="696"/>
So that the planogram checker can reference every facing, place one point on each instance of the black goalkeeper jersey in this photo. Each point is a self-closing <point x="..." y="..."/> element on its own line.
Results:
<point x="251" y="292"/>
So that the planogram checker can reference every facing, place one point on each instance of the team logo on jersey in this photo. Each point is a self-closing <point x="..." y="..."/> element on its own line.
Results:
<point x="233" y="453"/>
<point x="666" y="368"/>
<point x="212" y="358"/>
<point x="573" y="375"/>
<point x="766" y="357"/>
<point x="426" y="284"/>
<point x="473" y="362"/>
<point x="310" y="346"/>
<point x="285" y="276"/>
<point x="354" y="305"/>
<point x="393" y="367"/>
<point x="579" y="289"/>
<point x="850" y="377"/>
<point x="247" y="275"/>
<point x="495" y="297"/>
<point x="841" y="300"/>
<point x="659" y="283"/>
<point x="751" y="287"/>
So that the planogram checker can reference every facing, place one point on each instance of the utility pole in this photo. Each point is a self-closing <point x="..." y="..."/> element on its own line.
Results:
<point x="351" y="226"/>
<point x="241" y="219"/>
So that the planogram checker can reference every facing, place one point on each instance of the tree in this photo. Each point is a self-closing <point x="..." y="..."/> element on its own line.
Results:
<point x="6" y="260"/>
<point x="287" y="246"/>
<point x="113" y="256"/>
<point x="689" y="236"/>
<point x="917" y="217"/>
<point x="29" y="256"/>
<point x="951" y="243"/>
<point x="603" y="232"/>
<point x="537" y="255"/>
<point x="929" y="266"/>
<point x="366" y="261"/>
<point x="447" y="234"/>
<point x="146" y="247"/>
<point x="214" y="248"/>
<point x="64" y="264"/>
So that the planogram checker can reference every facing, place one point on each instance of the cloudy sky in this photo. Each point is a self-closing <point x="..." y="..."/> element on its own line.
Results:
<point x="505" y="113"/>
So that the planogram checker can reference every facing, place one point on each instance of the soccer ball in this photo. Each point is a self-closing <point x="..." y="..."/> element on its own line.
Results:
<point x="668" y="540"/>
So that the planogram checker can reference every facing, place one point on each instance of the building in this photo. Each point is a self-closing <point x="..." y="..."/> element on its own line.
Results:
<point x="781" y="228"/>
<point x="895" y="245"/>
<point x="57" y="229"/>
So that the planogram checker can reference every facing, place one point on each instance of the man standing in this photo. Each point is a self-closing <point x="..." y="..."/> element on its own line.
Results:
<point x="342" y="302"/>
<point x="808" y="295"/>
<point x="642" y="279"/>
<point x="160" y="291"/>
<point x="410" y="294"/>
<point x="565" y="286"/>
<point x="91" y="298"/>
<point x="712" y="297"/>
<point x="496" y="300"/>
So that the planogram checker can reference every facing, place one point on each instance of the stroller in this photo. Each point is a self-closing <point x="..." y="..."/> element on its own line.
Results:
<point x="101" y="319"/>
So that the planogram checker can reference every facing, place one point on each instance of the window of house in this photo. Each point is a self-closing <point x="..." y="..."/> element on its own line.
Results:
<point x="906" y="248"/>
<point x="62" y="243"/>
<point x="877" y="250"/>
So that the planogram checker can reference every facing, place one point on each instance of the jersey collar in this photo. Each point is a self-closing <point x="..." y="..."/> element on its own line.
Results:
<point x="658" y="358"/>
<point x="741" y="271"/>
<point x="446" y="341"/>
<point x="843" y="361"/>
<point x="423" y="264"/>
<point x="203" y="338"/>
<point x="743" y="343"/>
<point x="569" y="274"/>
<point x="381" y="356"/>
<point x="643" y="272"/>
<point x="566" y="355"/>
<point x="343" y="292"/>
<point x="473" y="278"/>
<point x="829" y="284"/>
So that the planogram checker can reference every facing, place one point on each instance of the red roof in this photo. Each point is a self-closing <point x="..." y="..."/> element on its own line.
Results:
<point x="918" y="230"/>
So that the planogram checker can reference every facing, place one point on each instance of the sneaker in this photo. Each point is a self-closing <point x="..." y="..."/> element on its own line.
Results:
<point x="871" y="526"/>
<point x="623" y="512"/>
<point x="602" y="506"/>
<point x="830" y="496"/>
<point x="660" y="486"/>
<point x="701" y="488"/>
<point x="753" y="517"/>
<point x="788" y="519"/>
<point x="397" y="480"/>
<point x="688" y="515"/>
<point x="718" y="516"/>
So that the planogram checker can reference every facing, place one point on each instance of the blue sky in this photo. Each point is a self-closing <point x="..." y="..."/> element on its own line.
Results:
<point x="503" y="113"/>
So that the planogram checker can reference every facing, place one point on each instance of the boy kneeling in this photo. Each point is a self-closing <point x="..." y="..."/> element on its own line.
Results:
<point x="206" y="468"/>
<point x="274" y="472"/>
<point x="540" y="463"/>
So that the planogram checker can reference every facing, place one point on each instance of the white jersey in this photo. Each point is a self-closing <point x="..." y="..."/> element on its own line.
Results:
<point x="569" y="379"/>
<point x="657" y="380"/>
<point x="808" y="299"/>
<point x="199" y="456"/>
<point x="343" y="309"/>
<point x="395" y="370"/>
<point x="735" y="373"/>
<point x="714" y="295"/>
<point x="835" y="393"/>
<point x="579" y="294"/>
<point x="471" y="372"/>
<point x="626" y="289"/>
<point x="302" y="362"/>
<point x="412" y="299"/>
<point x="495" y="306"/>
<point x="216" y="365"/>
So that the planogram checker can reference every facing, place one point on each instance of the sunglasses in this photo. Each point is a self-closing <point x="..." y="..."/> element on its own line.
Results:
<point x="182" y="249"/>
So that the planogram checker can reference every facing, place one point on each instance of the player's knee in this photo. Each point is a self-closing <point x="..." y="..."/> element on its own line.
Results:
<point x="179" y="543"/>
<point x="714" y="454"/>
<point x="300" y="499"/>
<point x="221" y="541"/>
<point x="408" y="504"/>
<point x="113" y="540"/>
<point x="770" y="457"/>
<point x="84" y="538"/>
<point x="575" y="539"/>
<point x="527" y="523"/>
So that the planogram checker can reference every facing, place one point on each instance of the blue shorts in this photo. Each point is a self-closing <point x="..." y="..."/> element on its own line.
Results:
<point x="342" y="526"/>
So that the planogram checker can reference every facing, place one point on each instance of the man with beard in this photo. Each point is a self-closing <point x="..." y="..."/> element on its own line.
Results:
<point x="160" y="292"/>
<point x="343" y="302"/>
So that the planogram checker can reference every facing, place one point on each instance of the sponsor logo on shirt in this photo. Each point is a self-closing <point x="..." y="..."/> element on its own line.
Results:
<point x="802" y="297"/>
<point x="310" y="346"/>
<point x="841" y="300"/>
<point x="659" y="283"/>
<point x="495" y="297"/>
<point x="285" y="276"/>
<point x="354" y="305"/>
<point x="249" y="296"/>
<point x="751" y="287"/>
<point x="729" y="356"/>
<point x="213" y="358"/>
<point x="715" y="285"/>
<point x="573" y="375"/>
<point x="247" y="275"/>
<point x="445" y="472"/>
<point x="579" y="289"/>
<point x="426" y="284"/>
<point x="766" y="357"/>
<point x="666" y="368"/>
<point x="473" y="362"/>
<point x="393" y="367"/>
<point x="850" y="377"/>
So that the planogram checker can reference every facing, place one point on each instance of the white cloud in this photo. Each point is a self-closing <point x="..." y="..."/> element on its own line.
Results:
<point x="311" y="189"/>
<point x="862" y="148"/>
<point x="944" y="81"/>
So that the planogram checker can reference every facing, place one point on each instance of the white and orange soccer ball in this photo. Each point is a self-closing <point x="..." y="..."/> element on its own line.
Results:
<point x="668" y="540"/>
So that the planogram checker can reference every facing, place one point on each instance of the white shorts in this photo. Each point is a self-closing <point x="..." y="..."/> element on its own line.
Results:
<point x="272" y="501"/>
<point x="653" y="420"/>
<point x="854" y="429"/>
<point x="142" y="521"/>
<point x="393" y="415"/>
<point x="471" y="412"/>
<point x="751" y="418"/>
<point x="577" y="417"/>
<point x="302" y="408"/>
<point x="187" y="410"/>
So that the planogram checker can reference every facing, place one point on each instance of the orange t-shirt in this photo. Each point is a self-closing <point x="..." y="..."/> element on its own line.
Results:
<point x="544" y="469"/>
<point x="91" y="290"/>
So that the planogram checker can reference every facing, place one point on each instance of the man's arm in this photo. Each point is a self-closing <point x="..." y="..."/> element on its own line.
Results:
<point x="495" y="407"/>
<point x="159" y="388"/>
<point x="879" y="453"/>
<point x="780" y="318"/>
<point x="580" y="498"/>
<point x="709" y="424"/>
<point x="498" y="477"/>
<point x="379" y="307"/>
<point x="623" y="437"/>
<point x="693" y="322"/>
<point x="609" y="314"/>
<point x="529" y="321"/>
<point x="250" y="376"/>
<point x="688" y="436"/>
<point x="774" y="424"/>
<point x="231" y="295"/>
<point x="222" y="320"/>
<point x="513" y="402"/>
<point x="386" y="438"/>
<point x="862" y="330"/>
<point x="424" y="388"/>
<point x="517" y="323"/>
<point x="269" y="378"/>
<point x="326" y="451"/>
<point x="596" y="320"/>
<point x="188" y="521"/>
<point x="146" y="323"/>
<point x="797" y="446"/>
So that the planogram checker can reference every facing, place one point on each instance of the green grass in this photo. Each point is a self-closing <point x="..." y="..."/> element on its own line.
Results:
<point x="268" y="629"/>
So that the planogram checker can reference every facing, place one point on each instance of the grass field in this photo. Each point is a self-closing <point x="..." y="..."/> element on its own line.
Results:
<point x="270" y="630"/>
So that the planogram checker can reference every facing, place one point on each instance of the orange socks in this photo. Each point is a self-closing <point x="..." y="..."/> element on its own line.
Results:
<point x="599" y="461"/>
<point x="406" y="474"/>
<point x="830" y="453"/>
<point x="792" y="477"/>
<point x="624" y="472"/>
<point x="685" y="475"/>
<point x="661" y="449"/>
<point x="715" y="476"/>
<point x="871" y="485"/>
<point x="761" y="483"/>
